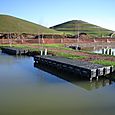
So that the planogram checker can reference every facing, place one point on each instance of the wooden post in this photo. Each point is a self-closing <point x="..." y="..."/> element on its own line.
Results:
<point x="94" y="40"/>
<point x="113" y="53"/>
<point x="41" y="52"/>
<point x="110" y="51"/>
<point x="103" y="51"/>
<point x="106" y="51"/>
<point x="91" y="79"/>
<point x="45" y="52"/>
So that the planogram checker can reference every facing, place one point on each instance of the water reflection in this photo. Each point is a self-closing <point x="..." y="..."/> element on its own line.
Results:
<point x="9" y="59"/>
<point x="75" y="79"/>
<point x="102" y="82"/>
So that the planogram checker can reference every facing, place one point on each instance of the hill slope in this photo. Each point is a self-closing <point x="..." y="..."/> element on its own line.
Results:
<point x="13" y="24"/>
<point x="72" y="27"/>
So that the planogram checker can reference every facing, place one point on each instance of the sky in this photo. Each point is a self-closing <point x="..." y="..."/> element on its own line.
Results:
<point x="52" y="12"/>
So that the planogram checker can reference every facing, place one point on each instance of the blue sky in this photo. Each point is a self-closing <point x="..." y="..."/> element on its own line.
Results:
<point x="52" y="12"/>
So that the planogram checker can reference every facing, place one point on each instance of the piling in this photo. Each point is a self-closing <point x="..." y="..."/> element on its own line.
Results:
<point x="103" y="51"/>
<point x="45" y="52"/>
<point x="106" y="51"/>
<point x="110" y="51"/>
<point x="41" y="52"/>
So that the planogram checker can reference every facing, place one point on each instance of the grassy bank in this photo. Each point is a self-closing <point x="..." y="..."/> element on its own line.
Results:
<point x="43" y="46"/>
<point x="67" y="55"/>
<point x="56" y="46"/>
<point x="104" y="62"/>
<point x="25" y="47"/>
<point x="56" y="49"/>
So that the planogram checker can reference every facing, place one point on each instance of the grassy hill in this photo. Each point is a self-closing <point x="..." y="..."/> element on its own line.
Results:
<point x="72" y="28"/>
<point x="13" y="24"/>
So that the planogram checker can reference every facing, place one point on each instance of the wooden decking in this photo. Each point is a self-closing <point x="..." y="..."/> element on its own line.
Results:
<point x="85" y="69"/>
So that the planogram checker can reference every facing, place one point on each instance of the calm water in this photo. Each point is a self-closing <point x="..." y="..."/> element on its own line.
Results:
<point x="27" y="90"/>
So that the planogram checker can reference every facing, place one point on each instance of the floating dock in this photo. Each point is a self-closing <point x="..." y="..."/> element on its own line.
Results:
<point x="13" y="51"/>
<point x="84" y="69"/>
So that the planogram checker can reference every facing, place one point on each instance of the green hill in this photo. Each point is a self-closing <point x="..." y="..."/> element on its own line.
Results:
<point x="75" y="26"/>
<point x="13" y="24"/>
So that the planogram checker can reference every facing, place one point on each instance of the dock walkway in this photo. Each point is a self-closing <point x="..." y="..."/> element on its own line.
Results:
<point x="13" y="51"/>
<point x="85" y="69"/>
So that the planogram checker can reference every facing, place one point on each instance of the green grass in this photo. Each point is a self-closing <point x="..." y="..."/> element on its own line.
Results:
<point x="104" y="62"/>
<point x="13" y="24"/>
<point x="71" y="27"/>
<point x="20" y="47"/>
<point x="61" y="54"/>
<point x="58" y="46"/>
<point x="13" y="45"/>
<point x="50" y="45"/>
<point x="70" y="56"/>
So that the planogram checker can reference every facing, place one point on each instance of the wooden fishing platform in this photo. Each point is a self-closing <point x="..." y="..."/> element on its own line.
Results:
<point x="84" y="69"/>
<point x="13" y="51"/>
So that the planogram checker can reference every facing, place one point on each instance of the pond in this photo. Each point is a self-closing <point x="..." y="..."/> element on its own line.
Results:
<point x="27" y="90"/>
